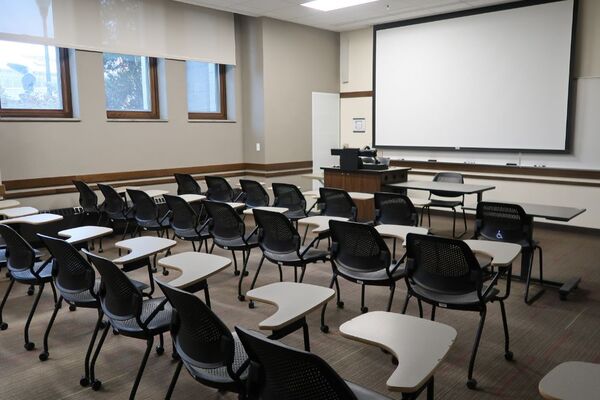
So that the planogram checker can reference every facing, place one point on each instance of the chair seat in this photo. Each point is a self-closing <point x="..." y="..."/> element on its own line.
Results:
<point x="237" y="243"/>
<point x="151" y="224"/>
<point x="191" y="234"/>
<point x="121" y="216"/>
<point x="372" y="277"/>
<point x="467" y="299"/>
<point x="444" y="203"/>
<point x="85" y="298"/>
<point x="362" y="393"/>
<point x="295" y="214"/>
<point x="312" y="255"/>
<point x="26" y="276"/>
<point x="159" y="324"/>
<point x="220" y="375"/>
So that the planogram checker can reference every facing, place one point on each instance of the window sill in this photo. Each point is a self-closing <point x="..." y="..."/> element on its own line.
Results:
<point x="33" y="119"/>
<point x="217" y="121"/>
<point x="135" y="120"/>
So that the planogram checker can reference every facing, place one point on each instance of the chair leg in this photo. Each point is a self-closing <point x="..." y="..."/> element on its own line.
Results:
<point x="86" y="380"/>
<point x="507" y="353"/>
<point x="453" y="222"/>
<point x="160" y="349"/>
<point x="464" y="219"/>
<point x="541" y="263"/>
<point x="194" y="246"/>
<point x="433" y="312"/>
<point x="174" y="380"/>
<point x="54" y="292"/>
<point x="212" y="247"/>
<point x="295" y="274"/>
<point x="30" y="345"/>
<point x="4" y="325"/>
<point x="138" y="378"/>
<point x="302" y="273"/>
<point x="472" y="383"/>
<point x="406" y="303"/>
<point x="325" y="328"/>
<point x="206" y="296"/>
<point x="429" y="216"/>
<point x="340" y="303"/>
<point x="262" y="260"/>
<point x="391" y="299"/>
<point x="394" y="251"/>
<point x="280" y="273"/>
<point x="235" y="266"/>
<point x="44" y="354"/>
<point x="363" y="309"/>
<point x="305" y="233"/>
<point x="245" y="258"/>
<point x="420" y="308"/>
<point x="528" y="282"/>
<point x="96" y="383"/>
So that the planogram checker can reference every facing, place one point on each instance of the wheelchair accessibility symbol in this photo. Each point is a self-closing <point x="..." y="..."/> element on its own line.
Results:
<point x="499" y="235"/>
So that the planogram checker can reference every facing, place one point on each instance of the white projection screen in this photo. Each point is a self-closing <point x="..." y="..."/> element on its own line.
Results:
<point x="496" y="78"/>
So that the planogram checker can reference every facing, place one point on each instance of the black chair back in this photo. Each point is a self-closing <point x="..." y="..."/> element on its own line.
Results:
<point x="114" y="204"/>
<point x="256" y="195"/>
<point x="145" y="208"/>
<point x="394" y="208"/>
<point x="503" y="222"/>
<point x="200" y="337"/>
<point x="288" y="196"/>
<point x="337" y="203"/>
<point x="442" y="265"/>
<point x="218" y="189"/>
<point x="281" y="372"/>
<point x="120" y="299"/>
<point x="186" y="184"/>
<point x="183" y="216"/>
<point x="73" y="274"/>
<point x="20" y="256"/>
<point x="276" y="232"/>
<point x="450" y="177"/>
<point x="358" y="247"/>
<point x="225" y="223"/>
<point x="88" y="200"/>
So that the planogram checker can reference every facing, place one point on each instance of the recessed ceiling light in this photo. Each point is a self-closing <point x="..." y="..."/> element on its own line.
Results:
<point x="329" y="5"/>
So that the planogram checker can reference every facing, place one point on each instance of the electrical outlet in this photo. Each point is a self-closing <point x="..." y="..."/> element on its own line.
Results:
<point x="257" y="146"/>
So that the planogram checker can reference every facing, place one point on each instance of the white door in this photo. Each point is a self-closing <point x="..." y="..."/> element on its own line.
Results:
<point x="325" y="131"/>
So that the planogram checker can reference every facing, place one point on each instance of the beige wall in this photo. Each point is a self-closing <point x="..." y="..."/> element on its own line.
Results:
<point x="588" y="39"/>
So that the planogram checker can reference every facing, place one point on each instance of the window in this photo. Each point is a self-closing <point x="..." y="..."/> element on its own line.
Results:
<point x="34" y="81"/>
<point x="130" y="86"/>
<point x="206" y="90"/>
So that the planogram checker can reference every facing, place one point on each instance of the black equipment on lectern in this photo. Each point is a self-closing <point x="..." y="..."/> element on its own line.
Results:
<point x="352" y="159"/>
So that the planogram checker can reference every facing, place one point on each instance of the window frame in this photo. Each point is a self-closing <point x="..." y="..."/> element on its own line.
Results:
<point x="65" y="83"/>
<point x="222" y="115"/>
<point x="154" y="112"/>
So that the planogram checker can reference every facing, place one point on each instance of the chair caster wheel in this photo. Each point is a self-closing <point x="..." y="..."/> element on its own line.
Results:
<point x="324" y="329"/>
<point x="29" y="346"/>
<point x="30" y="292"/>
<point x="3" y="326"/>
<point x="96" y="385"/>
<point x="236" y="273"/>
<point x="43" y="356"/>
<point x="72" y="308"/>
<point x="251" y="304"/>
<point x="175" y="356"/>
<point x="340" y="304"/>
<point x="165" y="272"/>
<point x="246" y="273"/>
<point x="509" y="355"/>
<point x="241" y="297"/>
<point x="160" y="351"/>
<point x="84" y="382"/>
<point x="472" y="384"/>
<point x="364" y="310"/>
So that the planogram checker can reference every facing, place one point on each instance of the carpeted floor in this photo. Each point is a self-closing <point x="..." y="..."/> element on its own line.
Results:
<point x="542" y="335"/>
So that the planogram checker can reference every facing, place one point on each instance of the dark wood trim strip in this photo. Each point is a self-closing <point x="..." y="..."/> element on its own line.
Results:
<point x="279" y="166"/>
<point x="364" y="93"/>
<point x="2" y="190"/>
<point x="501" y="169"/>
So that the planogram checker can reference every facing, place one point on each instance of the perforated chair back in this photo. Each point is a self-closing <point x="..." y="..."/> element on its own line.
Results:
<point x="183" y="215"/>
<point x="337" y="203"/>
<point x="225" y="222"/>
<point x="256" y="195"/>
<point x="442" y="265"/>
<point x="73" y="274"/>
<point x="186" y="184"/>
<point x="114" y="204"/>
<point x="394" y="208"/>
<point x="450" y="177"/>
<point x="120" y="299"/>
<point x="285" y="373"/>
<point x="288" y="196"/>
<point x="276" y="232"/>
<point x="88" y="200"/>
<point x="20" y="256"/>
<point x="358" y="247"/>
<point x="201" y="338"/>
<point x="503" y="222"/>
<point x="145" y="208"/>
<point x="218" y="189"/>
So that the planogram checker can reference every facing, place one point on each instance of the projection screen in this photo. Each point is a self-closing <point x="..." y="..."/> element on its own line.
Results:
<point x="494" y="78"/>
